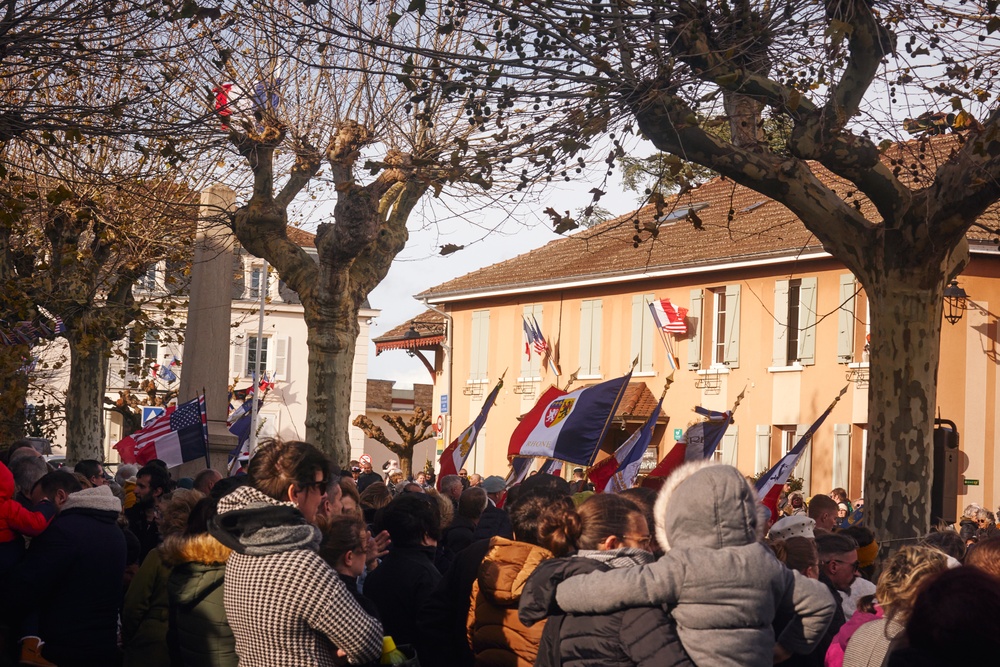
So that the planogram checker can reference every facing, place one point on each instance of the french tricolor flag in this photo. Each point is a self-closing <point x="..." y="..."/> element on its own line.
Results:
<point x="668" y="317"/>
<point x="177" y="436"/>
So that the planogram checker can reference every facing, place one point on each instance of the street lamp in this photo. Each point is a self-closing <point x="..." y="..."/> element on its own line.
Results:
<point x="954" y="302"/>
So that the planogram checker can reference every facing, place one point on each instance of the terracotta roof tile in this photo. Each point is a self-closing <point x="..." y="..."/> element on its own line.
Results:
<point x="759" y="228"/>
<point x="430" y="328"/>
<point x="301" y="237"/>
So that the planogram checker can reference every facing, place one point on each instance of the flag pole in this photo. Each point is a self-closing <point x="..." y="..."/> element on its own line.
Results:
<point x="572" y="379"/>
<point x="203" y="405"/>
<point x="256" y="369"/>
<point x="674" y="363"/>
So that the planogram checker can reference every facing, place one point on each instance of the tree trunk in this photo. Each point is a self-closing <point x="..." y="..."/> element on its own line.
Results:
<point x="405" y="455"/>
<point x="13" y="393"/>
<point x="332" y="338"/>
<point x="85" y="399"/>
<point x="906" y="310"/>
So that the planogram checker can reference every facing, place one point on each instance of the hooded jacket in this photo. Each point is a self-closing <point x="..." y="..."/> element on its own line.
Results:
<point x="16" y="520"/>
<point x="725" y="583"/>
<point x="496" y="634"/>
<point x="285" y="605"/>
<point x="71" y="576"/>
<point x="643" y="636"/>
<point x="199" y="634"/>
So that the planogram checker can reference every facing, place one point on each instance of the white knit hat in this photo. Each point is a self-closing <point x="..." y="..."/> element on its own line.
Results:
<point x="792" y="526"/>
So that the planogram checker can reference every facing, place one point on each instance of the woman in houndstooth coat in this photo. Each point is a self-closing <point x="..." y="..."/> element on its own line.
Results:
<point x="286" y="606"/>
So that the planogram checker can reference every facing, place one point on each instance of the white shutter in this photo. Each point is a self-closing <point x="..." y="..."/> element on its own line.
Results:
<point x="845" y="319"/>
<point x="484" y="345"/>
<point x="762" y="452"/>
<point x="730" y="442"/>
<point x="841" y="455"/>
<point x="637" y="333"/>
<point x="279" y="370"/>
<point x="238" y="367"/>
<point x="779" y="353"/>
<point x="696" y="319"/>
<point x="586" y="330"/>
<point x="807" y="321"/>
<point x="648" y="329"/>
<point x="595" y="338"/>
<point x="732" y="349"/>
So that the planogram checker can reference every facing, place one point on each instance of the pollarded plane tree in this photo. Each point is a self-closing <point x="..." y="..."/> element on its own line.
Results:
<point x="329" y="123"/>
<point x="81" y="234"/>
<point x="843" y="74"/>
<point x="87" y="130"/>
<point x="410" y="433"/>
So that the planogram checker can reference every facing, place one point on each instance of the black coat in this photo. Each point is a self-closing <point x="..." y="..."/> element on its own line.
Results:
<point x="644" y="636"/>
<point x="397" y="586"/>
<point x="71" y="576"/>
<point x="445" y="611"/>
<point x="817" y="658"/>
<point x="459" y="534"/>
<point x="366" y="479"/>
<point x="494" y="523"/>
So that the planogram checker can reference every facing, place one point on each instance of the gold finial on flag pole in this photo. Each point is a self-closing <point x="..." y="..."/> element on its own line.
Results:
<point x="572" y="379"/>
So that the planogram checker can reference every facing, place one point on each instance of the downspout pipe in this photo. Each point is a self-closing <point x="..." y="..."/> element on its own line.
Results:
<point x="446" y="363"/>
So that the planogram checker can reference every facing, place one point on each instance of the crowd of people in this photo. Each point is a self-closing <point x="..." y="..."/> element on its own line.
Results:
<point x="298" y="563"/>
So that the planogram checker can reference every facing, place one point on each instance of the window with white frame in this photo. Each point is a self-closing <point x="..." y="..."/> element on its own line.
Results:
<point x="794" y="322"/>
<point x="273" y="355"/>
<point x="256" y="347"/>
<point x="790" y="436"/>
<point x="715" y="337"/>
<point x="479" y="348"/>
<point x="256" y="282"/>
<point x="591" y="321"/>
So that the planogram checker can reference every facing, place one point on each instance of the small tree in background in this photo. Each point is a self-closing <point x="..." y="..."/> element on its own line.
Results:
<point x="411" y="432"/>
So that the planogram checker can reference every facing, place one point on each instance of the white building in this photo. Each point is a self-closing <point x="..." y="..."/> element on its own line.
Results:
<point x="283" y="350"/>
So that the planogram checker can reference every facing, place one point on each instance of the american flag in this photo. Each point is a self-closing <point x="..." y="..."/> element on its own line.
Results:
<point x="668" y="317"/>
<point x="140" y="447"/>
<point x="533" y="337"/>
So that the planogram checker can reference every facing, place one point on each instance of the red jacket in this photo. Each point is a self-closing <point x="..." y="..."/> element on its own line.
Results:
<point x="14" y="517"/>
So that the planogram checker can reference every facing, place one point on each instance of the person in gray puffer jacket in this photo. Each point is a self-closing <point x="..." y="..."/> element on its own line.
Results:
<point x="723" y="584"/>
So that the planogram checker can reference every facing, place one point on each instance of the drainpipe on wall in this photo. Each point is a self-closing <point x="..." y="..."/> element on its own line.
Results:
<point x="445" y="369"/>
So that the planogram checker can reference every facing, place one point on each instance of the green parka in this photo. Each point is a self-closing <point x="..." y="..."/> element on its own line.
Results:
<point x="199" y="634"/>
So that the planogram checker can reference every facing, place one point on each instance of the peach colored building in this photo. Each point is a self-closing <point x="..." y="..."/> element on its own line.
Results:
<point x="770" y="313"/>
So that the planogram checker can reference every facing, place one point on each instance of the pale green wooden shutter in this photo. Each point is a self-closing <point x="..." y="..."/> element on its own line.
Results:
<point x="480" y="345"/>
<point x="696" y="319"/>
<point x="636" y="348"/>
<point x="841" y="455"/>
<point x="642" y="332"/>
<point x="846" y="320"/>
<point x="732" y="349"/>
<point x="762" y="452"/>
<point x="779" y="353"/>
<point x="484" y="345"/>
<point x="730" y="442"/>
<point x="595" y="338"/>
<point x="807" y="321"/>
<point x="586" y="334"/>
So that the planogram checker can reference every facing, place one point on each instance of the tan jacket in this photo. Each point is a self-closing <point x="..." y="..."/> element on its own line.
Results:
<point x="496" y="635"/>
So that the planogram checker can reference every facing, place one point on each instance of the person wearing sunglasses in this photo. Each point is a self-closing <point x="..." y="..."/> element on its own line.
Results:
<point x="284" y="603"/>
<point x="838" y="568"/>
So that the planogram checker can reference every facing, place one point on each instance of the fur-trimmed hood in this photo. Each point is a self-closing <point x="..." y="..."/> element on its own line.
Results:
<point x="202" y="548"/>
<point x="715" y="507"/>
<point x="98" y="498"/>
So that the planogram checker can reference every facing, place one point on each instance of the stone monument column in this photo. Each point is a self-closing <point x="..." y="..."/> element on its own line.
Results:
<point x="206" y="339"/>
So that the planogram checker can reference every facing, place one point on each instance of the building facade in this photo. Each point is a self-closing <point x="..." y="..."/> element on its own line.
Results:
<point x="770" y="315"/>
